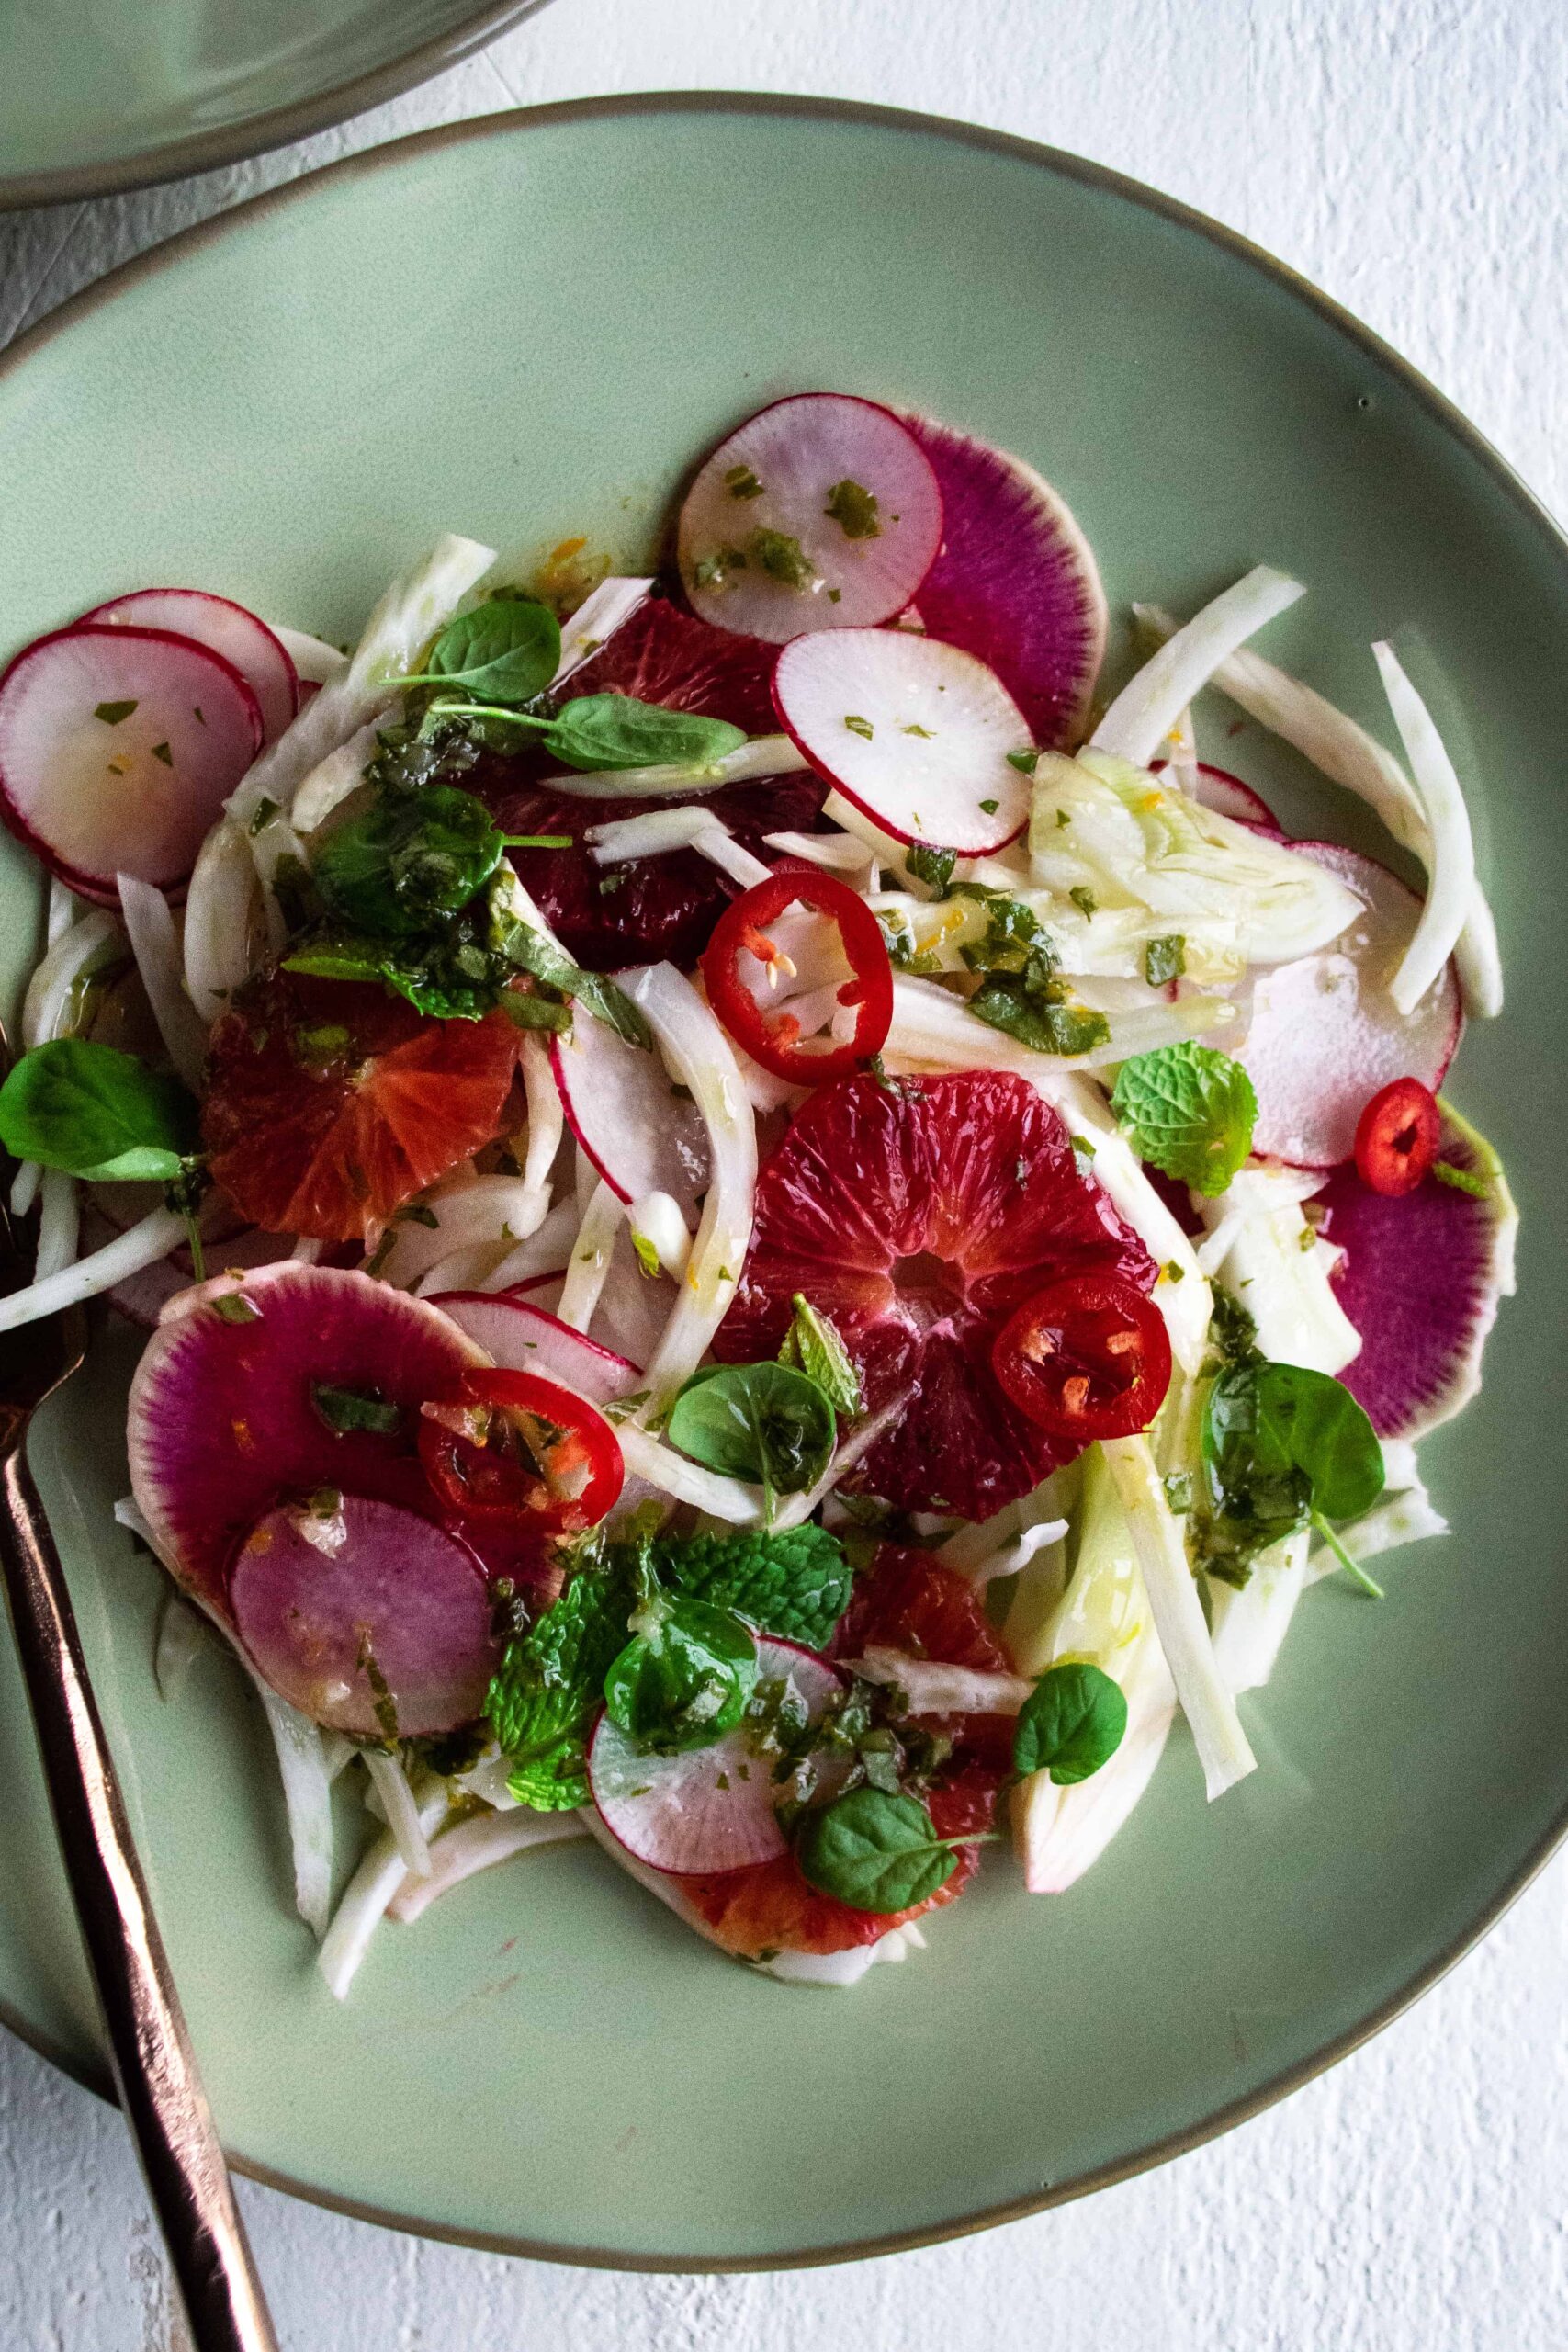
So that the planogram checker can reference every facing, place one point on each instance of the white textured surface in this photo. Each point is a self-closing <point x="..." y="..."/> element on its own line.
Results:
<point x="1410" y="155"/>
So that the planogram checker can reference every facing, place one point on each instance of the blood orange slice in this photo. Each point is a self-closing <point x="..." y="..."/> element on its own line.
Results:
<point x="330" y="1103"/>
<point x="917" y="1217"/>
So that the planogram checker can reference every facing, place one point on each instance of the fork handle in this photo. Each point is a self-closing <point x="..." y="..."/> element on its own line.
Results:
<point x="154" y="2069"/>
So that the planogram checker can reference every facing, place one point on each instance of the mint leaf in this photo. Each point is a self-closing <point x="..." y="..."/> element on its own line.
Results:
<point x="530" y="951"/>
<point x="346" y="1409"/>
<point x="544" y="1694"/>
<point x="813" y="1346"/>
<point x="97" y="1113"/>
<point x="1188" y="1110"/>
<point x="1071" y="1724"/>
<point x="795" y="1583"/>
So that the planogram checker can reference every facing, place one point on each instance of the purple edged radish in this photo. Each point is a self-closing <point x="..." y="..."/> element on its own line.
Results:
<point x="1228" y="796"/>
<point x="519" y="1337"/>
<point x="1325" y="1035"/>
<point x="819" y="512"/>
<point x="223" y="628"/>
<point x="367" y="1618"/>
<point x="620" y="1105"/>
<point x="705" y="1809"/>
<point x="1015" y="582"/>
<point x="249" y="1391"/>
<point x="117" y="748"/>
<point x="1421" y="1278"/>
<point x="922" y="736"/>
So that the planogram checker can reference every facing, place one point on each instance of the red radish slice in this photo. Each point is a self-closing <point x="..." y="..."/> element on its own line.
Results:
<point x="708" y="1809"/>
<point x="223" y="628"/>
<point x="222" y="1420"/>
<point x="821" y="513"/>
<point x="620" y="1105"/>
<point x="117" y="748"/>
<point x="915" y="733"/>
<point x="371" y="1619"/>
<point x="521" y="1338"/>
<point x="1421" y="1280"/>
<point x="1219" y="790"/>
<point x="1326" y="1033"/>
<point x="1015" y="582"/>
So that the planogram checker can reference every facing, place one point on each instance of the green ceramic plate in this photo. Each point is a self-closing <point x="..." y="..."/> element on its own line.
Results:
<point x="523" y="330"/>
<point x="100" y="94"/>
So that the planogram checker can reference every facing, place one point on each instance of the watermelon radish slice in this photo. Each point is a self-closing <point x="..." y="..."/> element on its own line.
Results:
<point x="1326" y="1033"/>
<point x="223" y="628"/>
<point x="708" y="1809"/>
<point x="117" y="748"/>
<point x="1420" y="1280"/>
<point x="222" y="1420"/>
<point x="520" y="1337"/>
<point x="1015" y="581"/>
<point x="639" y="1134"/>
<point x="915" y="733"/>
<point x="370" y="1621"/>
<point x="819" y="512"/>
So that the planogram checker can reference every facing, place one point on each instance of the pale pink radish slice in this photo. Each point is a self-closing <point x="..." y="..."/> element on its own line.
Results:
<point x="1015" y="582"/>
<point x="367" y="1619"/>
<point x="224" y="1419"/>
<point x="819" y="512"/>
<point x="522" y="1338"/>
<point x="709" y="1809"/>
<point x="1420" y="1280"/>
<point x="142" y="1298"/>
<point x="919" y="735"/>
<point x="223" y="628"/>
<point x="1219" y="790"/>
<point x="620" y="1105"/>
<point x="1325" y="1033"/>
<point x="117" y="748"/>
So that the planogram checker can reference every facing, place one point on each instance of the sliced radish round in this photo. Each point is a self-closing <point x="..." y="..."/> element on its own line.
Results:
<point x="367" y="1619"/>
<point x="1226" y="794"/>
<point x="620" y="1105"/>
<point x="708" y="1809"/>
<point x="224" y="1417"/>
<point x="522" y="1338"/>
<point x="819" y="512"/>
<point x="223" y="628"/>
<point x="1015" y="582"/>
<point x="1325" y="1035"/>
<point x="117" y="748"/>
<point x="142" y="1297"/>
<point x="915" y="733"/>
<point x="1421" y="1278"/>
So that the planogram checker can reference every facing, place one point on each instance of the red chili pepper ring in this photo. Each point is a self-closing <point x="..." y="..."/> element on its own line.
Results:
<point x="1397" y="1138"/>
<point x="772" y="1035"/>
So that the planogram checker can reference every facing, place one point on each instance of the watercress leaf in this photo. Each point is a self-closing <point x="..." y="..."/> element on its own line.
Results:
<point x="617" y="731"/>
<point x="408" y="860"/>
<point x="813" y="1346"/>
<point x="529" y="951"/>
<point x="1071" y="1724"/>
<point x="874" y="1849"/>
<point x="1327" y="1433"/>
<point x="503" y="651"/>
<point x="795" y="1582"/>
<point x="1279" y="1443"/>
<point x="762" y="1422"/>
<point x="1188" y="1111"/>
<point x="346" y="1409"/>
<point x="683" y="1681"/>
<point x="97" y="1113"/>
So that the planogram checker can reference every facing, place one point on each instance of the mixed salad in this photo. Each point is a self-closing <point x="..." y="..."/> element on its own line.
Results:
<point x="769" y="1231"/>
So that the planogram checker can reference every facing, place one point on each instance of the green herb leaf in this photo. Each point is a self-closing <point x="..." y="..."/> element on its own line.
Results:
<point x="1165" y="960"/>
<point x="858" y="725"/>
<point x="232" y="1307"/>
<point x="530" y="951"/>
<point x="547" y="1690"/>
<point x="813" y="1346"/>
<point x="1279" y="1443"/>
<point x="1037" y="1015"/>
<point x="1084" y="900"/>
<point x="1024" y="761"/>
<point x="1071" y="1724"/>
<point x="782" y="558"/>
<point x="686" y="1678"/>
<point x="929" y="865"/>
<point x="1462" y="1180"/>
<point x="617" y="731"/>
<point x="1188" y="1111"/>
<point x="111" y="713"/>
<point x="346" y="1409"/>
<point x="97" y="1113"/>
<point x="876" y="1851"/>
<point x="406" y="861"/>
<point x="795" y="1582"/>
<point x="762" y="1422"/>
<point x="853" y="508"/>
<point x="505" y="651"/>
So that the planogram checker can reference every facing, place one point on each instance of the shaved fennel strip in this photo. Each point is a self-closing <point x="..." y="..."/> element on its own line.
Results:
<point x="46" y="1007"/>
<point x="501" y="1210"/>
<point x="719" y="846"/>
<point x="478" y="1844"/>
<point x="399" y="1809"/>
<point x="601" y="613"/>
<point x="380" y="1875"/>
<point x="1344" y="752"/>
<point x="175" y="1644"/>
<point x="547" y="1120"/>
<point x="589" y="1261"/>
<point x="127" y="1254"/>
<point x="219" y="905"/>
<point x="418" y="603"/>
<point x="149" y="926"/>
<point x="1172" y="1592"/>
<point x="316" y="661"/>
<point x="1152" y="701"/>
<point x="795" y="1508"/>
<point x="840" y="852"/>
<point x="764" y="755"/>
<point x="1009" y="1558"/>
<point x="1450" y="885"/>
<point x="545" y="1253"/>
<point x="64" y="907"/>
<point x="932" y="1025"/>
<point x="697" y="1053"/>
<point x="687" y="1482"/>
<point x="59" y="1236"/>
<point x="307" y="1799"/>
<point x="653" y="834"/>
<point x="1408" y="1517"/>
<point x="25" y="1186"/>
<point x="934" y="1688"/>
<point x="333" y="778"/>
